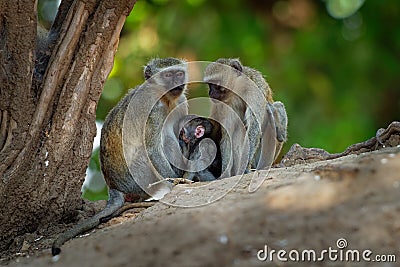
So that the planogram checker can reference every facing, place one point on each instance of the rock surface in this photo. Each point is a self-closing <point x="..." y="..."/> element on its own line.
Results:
<point x="305" y="206"/>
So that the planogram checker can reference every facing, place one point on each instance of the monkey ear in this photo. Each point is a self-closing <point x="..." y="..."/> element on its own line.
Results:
<point x="199" y="132"/>
<point x="237" y="65"/>
<point x="147" y="72"/>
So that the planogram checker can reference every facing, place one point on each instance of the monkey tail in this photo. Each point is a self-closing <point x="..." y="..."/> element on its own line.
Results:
<point x="115" y="201"/>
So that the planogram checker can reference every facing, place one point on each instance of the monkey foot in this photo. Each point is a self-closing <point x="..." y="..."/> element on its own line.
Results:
<point x="177" y="181"/>
<point x="174" y="181"/>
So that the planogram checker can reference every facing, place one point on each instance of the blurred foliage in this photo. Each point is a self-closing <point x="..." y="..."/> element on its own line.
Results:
<point x="335" y="63"/>
<point x="341" y="9"/>
<point x="337" y="77"/>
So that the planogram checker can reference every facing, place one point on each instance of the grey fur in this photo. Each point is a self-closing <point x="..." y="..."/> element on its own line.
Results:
<point x="131" y="119"/>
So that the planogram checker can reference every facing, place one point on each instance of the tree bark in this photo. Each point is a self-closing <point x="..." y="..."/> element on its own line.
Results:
<point x="48" y="99"/>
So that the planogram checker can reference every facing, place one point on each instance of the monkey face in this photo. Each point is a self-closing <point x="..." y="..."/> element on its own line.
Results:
<point x="218" y="92"/>
<point x="174" y="80"/>
<point x="194" y="130"/>
<point x="190" y="135"/>
<point x="157" y="64"/>
<point x="220" y="76"/>
<point x="177" y="91"/>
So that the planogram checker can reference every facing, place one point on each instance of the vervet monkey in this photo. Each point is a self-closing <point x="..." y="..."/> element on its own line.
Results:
<point x="192" y="132"/>
<point x="131" y="140"/>
<point x="246" y="92"/>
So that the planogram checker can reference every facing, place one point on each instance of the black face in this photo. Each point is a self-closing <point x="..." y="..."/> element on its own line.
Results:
<point x="195" y="130"/>
<point x="217" y="92"/>
<point x="177" y="91"/>
<point x="174" y="79"/>
<point x="191" y="134"/>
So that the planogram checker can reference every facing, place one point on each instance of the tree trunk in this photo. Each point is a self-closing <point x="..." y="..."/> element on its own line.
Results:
<point x="48" y="99"/>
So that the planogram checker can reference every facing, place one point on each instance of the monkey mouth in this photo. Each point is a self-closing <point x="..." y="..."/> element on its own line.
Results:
<point x="216" y="96"/>
<point x="177" y="90"/>
<point x="217" y="92"/>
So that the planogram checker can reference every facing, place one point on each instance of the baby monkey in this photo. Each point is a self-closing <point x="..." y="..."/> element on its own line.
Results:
<point x="192" y="132"/>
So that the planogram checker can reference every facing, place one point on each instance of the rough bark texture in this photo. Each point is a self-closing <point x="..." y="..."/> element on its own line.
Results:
<point x="47" y="107"/>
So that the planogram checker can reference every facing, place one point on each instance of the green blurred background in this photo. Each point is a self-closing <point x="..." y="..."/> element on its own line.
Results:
<point x="335" y="64"/>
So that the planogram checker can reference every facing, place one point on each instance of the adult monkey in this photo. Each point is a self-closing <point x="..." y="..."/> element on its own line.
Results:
<point x="131" y="140"/>
<point x="245" y="91"/>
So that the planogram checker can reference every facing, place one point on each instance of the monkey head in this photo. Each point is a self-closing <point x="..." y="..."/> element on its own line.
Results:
<point x="222" y="77"/>
<point x="194" y="130"/>
<point x="171" y="75"/>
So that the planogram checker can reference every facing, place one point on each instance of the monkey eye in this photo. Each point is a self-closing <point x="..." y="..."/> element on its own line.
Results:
<point x="199" y="132"/>
<point x="168" y="74"/>
<point x="180" y="74"/>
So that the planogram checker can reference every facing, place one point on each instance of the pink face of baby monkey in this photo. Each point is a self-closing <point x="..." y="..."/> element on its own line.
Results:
<point x="198" y="133"/>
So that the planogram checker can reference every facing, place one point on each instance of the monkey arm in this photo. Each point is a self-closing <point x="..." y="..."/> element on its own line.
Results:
<point x="203" y="175"/>
<point x="254" y="134"/>
<point x="226" y="155"/>
<point x="199" y="156"/>
<point x="173" y="149"/>
<point x="274" y="134"/>
<point x="162" y="165"/>
<point x="281" y="120"/>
